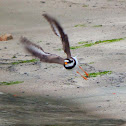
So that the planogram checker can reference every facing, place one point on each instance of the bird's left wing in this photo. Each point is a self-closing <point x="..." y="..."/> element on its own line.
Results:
<point x="37" y="51"/>
<point x="58" y="30"/>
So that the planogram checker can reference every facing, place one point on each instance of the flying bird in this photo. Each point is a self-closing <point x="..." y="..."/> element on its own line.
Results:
<point x="69" y="62"/>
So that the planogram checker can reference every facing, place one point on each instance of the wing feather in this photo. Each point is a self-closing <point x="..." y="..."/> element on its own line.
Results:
<point x="37" y="51"/>
<point x="58" y="30"/>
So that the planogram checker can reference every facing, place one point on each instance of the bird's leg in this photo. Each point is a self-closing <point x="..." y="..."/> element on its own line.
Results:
<point x="84" y="71"/>
<point x="82" y="76"/>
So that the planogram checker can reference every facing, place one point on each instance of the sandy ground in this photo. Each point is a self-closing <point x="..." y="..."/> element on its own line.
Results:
<point x="99" y="98"/>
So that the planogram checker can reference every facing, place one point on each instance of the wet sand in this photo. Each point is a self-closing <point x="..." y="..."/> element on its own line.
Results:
<point x="49" y="93"/>
<point x="39" y="111"/>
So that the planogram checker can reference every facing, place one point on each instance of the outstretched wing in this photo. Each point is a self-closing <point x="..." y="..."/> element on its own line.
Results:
<point x="37" y="51"/>
<point x="58" y="30"/>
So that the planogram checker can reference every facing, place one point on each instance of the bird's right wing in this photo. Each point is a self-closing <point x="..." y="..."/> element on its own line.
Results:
<point x="37" y="51"/>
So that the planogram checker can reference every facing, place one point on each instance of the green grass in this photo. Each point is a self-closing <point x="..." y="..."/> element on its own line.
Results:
<point x="14" y="56"/>
<point x="91" y="63"/>
<point x="97" y="26"/>
<point x="75" y="47"/>
<point x="24" y="61"/>
<point x="109" y="41"/>
<point x="83" y="44"/>
<point x="39" y="41"/>
<point x="58" y="49"/>
<point x="84" y="5"/>
<point x="80" y="25"/>
<point x="89" y="44"/>
<point x="11" y="82"/>
<point x="99" y="73"/>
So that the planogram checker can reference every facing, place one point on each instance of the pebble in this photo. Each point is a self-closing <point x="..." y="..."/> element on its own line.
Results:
<point x="47" y="43"/>
<point x="42" y="1"/>
<point x="46" y="103"/>
<point x="6" y="37"/>
<point x="1" y="93"/>
<point x="118" y="86"/>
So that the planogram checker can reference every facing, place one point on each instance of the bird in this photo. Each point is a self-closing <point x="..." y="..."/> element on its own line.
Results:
<point x="37" y="51"/>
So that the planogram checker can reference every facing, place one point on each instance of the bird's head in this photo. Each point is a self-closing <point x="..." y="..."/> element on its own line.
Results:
<point x="70" y="63"/>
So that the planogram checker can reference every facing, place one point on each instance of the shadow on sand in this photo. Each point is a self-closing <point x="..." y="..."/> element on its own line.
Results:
<point x="39" y="111"/>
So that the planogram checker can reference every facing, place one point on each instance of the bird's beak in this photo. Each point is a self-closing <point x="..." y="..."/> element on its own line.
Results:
<point x="66" y="63"/>
<point x="84" y="72"/>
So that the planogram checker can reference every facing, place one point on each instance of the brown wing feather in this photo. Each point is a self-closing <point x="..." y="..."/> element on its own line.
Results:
<point x="37" y="51"/>
<point x="58" y="30"/>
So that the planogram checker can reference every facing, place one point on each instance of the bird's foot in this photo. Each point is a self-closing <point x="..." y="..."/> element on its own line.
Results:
<point x="82" y="75"/>
<point x="84" y="71"/>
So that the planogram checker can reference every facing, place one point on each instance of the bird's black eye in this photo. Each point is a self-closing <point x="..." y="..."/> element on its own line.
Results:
<point x="70" y="61"/>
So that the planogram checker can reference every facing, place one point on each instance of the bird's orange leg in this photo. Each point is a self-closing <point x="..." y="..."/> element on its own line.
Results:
<point x="84" y="71"/>
<point x="82" y="76"/>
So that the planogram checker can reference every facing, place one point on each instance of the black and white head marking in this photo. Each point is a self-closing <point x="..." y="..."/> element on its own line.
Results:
<point x="70" y="63"/>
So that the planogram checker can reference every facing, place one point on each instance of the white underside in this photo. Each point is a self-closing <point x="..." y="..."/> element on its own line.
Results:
<point x="76" y="61"/>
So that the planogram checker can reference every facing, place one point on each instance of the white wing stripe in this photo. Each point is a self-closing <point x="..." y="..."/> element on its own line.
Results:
<point x="56" y="30"/>
<point x="37" y="50"/>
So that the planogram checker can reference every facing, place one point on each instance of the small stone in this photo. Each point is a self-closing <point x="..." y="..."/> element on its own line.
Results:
<point x="1" y="93"/>
<point x="118" y="86"/>
<point x="108" y="100"/>
<point x="46" y="103"/>
<point x="47" y="43"/>
<point x="14" y="56"/>
<point x="6" y="37"/>
<point x="42" y="1"/>
<point x="99" y="106"/>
